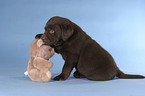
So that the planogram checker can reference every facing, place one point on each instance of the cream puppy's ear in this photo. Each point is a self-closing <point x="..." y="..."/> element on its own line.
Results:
<point x="39" y="43"/>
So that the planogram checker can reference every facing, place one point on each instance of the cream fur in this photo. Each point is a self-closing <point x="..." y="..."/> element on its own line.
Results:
<point x="39" y="64"/>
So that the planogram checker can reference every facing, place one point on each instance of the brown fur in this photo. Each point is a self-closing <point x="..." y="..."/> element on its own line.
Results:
<point x="80" y="51"/>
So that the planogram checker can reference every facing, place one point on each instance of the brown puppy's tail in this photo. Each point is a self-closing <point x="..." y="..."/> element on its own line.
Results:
<point x="128" y="76"/>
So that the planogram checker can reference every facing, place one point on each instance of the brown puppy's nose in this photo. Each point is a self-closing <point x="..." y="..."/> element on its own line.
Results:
<point x="38" y="36"/>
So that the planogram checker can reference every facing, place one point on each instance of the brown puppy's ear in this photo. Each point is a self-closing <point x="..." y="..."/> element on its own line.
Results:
<point x="38" y="36"/>
<point x="67" y="32"/>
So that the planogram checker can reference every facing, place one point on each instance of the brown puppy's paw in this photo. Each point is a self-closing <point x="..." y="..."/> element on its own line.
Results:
<point x="78" y="75"/>
<point x="59" y="78"/>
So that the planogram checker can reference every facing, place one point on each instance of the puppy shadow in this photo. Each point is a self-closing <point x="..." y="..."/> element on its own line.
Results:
<point x="26" y="78"/>
<point x="70" y="80"/>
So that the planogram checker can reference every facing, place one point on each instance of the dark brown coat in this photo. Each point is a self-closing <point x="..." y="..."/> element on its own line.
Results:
<point x="80" y="51"/>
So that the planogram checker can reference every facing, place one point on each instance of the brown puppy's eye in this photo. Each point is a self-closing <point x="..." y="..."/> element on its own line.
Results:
<point x="51" y="31"/>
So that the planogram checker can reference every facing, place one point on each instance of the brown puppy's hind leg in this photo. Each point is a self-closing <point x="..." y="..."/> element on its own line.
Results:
<point x="76" y="74"/>
<point x="100" y="77"/>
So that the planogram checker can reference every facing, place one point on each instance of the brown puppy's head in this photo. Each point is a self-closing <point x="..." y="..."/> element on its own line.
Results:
<point x="57" y="31"/>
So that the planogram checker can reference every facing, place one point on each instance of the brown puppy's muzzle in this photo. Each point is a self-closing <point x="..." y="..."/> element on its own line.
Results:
<point x="45" y="39"/>
<point x="48" y="40"/>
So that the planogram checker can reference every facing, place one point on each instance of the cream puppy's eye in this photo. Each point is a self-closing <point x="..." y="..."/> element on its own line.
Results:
<point x="51" y="31"/>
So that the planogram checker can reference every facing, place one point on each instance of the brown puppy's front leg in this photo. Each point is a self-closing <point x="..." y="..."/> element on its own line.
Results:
<point x="67" y="68"/>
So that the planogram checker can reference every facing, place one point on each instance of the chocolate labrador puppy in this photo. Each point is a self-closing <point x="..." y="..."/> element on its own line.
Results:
<point x="80" y="51"/>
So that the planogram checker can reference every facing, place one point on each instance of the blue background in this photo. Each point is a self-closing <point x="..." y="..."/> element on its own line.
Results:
<point x="117" y="25"/>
